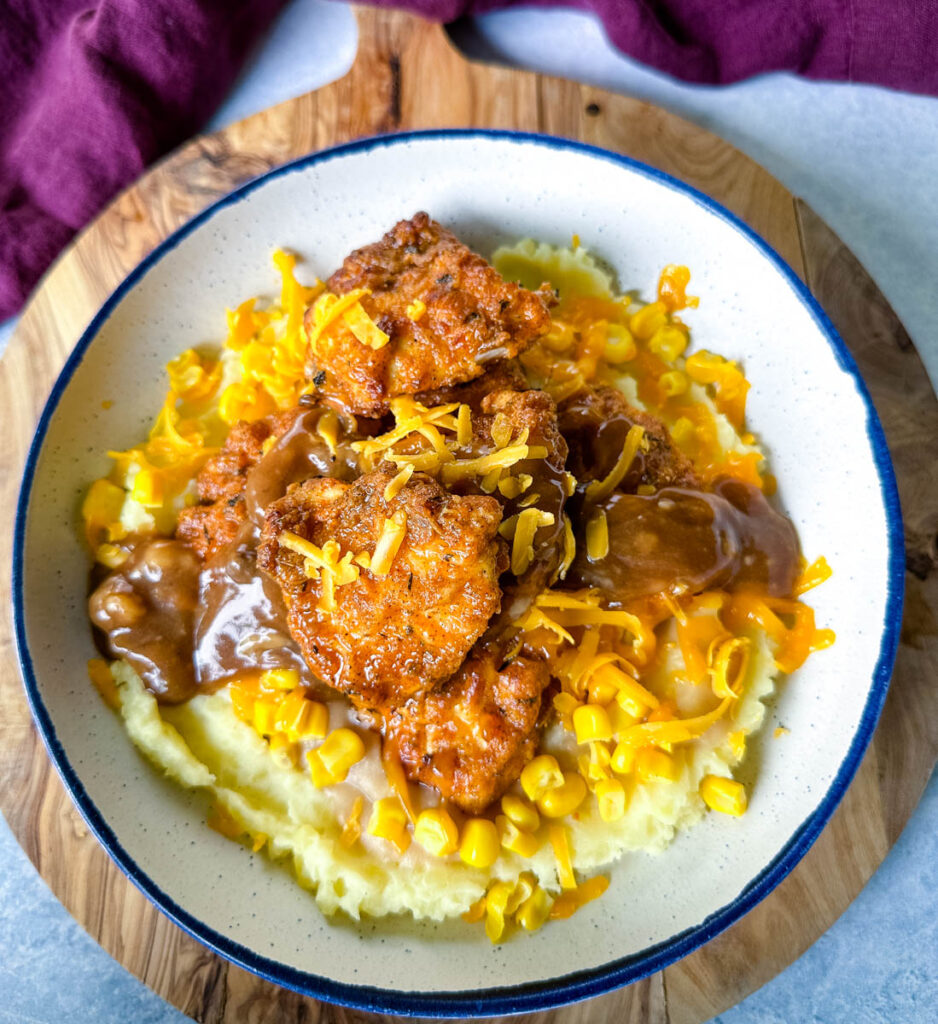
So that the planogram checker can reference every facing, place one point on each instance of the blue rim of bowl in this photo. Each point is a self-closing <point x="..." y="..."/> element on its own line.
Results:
<point x="579" y="985"/>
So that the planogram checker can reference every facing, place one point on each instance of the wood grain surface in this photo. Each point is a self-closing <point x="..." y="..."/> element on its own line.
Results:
<point x="407" y="75"/>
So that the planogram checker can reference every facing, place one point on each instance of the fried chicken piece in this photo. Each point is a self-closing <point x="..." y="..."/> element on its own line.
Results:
<point x="505" y="375"/>
<point x="471" y="316"/>
<point x="255" y="466"/>
<point x="388" y="637"/>
<point x="207" y="528"/>
<point x="595" y="422"/>
<point x="471" y="737"/>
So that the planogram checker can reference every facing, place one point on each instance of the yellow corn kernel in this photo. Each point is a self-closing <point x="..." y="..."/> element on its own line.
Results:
<point x="300" y="718"/>
<point x="651" y="763"/>
<point x="389" y="821"/>
<point x="561" y="846"/>
<point x="496" y="904"/>
<point x="416" y="310"/>
<point x="242" y="701"/>
<point x="610" y="795"/>
<point x="648" y="319"/>
<point x="619" y="718"/>
<point x="265" y="716"/>
<point x="668" y="342"/>
<point x="599" y="690"/>
<point x="520" y="813"/>
<point x="563" y="799"/>
<point x="534" y="911"/>
<point x="620" y="345"/>
<point x="280" y="679"/>
<point x="111" y="555"/>
<point x="339" y="751"/>
<point x="724" y="795"/>
<point x="147" y="488"/>
<point x="673" y="383"/>
<point x="590" y="722"/>
<point x="623" y="759"/>
<point x="515" y="839"/>
<point x="436" y="832"/>
<point x="480" y="844"/>
<point x="317" y="770"/>
<point x="540" y="775"/>
<point x="524" y="887"/>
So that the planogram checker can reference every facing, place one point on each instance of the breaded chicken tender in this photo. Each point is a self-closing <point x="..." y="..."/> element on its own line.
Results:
<point x="471" y="737"/>
<point x="391" y="636"/>
<point x="207" y="528"/>
<point x="468" y="316"/>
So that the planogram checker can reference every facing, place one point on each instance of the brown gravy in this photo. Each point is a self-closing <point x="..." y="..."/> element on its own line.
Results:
<point x="147" y="610"/>
<point x="188" y="627"/>
<point x="687" y="541"/>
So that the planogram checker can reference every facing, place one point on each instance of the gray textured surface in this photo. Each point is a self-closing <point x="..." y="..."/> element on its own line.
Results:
<point x="867" y="160"/>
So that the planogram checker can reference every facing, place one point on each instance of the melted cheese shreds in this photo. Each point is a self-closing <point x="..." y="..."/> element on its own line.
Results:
<point x="392" y="536"/>
<point x="364" y="328"/>
<point x="396" y="485"/>
<point x="323" y="564"/>
<point x="534" y="619"/>
<point x="513" y="486"/>
<point x="600" y="489"/>
<point x="504" y="458"/>
<point x="569" y="548"/>
<point x="520" y="529"/>
<point x="729" y="663"/>
<point x="327" y="428"/>
<point x="812" y="576"/>
<point x="463" y="426"/>
<point x="501" y="430"/>
<point x="329" y="308"/>
<point x="560" y="844"/>
<point x="568" y="903"/>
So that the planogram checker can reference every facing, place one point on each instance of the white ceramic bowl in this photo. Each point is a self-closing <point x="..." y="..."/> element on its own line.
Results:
<point x="807" y="403"/>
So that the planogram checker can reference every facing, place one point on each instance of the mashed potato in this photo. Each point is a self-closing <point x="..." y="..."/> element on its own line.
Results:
<point x="266" y="796"/>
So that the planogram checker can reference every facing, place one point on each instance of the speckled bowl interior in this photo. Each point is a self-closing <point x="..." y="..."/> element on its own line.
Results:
<point x="807" y="405"/>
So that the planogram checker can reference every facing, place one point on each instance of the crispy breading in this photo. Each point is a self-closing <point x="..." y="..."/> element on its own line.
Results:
<point x="389" y="637"/>
<point x="471" y="316"/>
<point x="595" y="422"/>
<point x="471" y="737"/>
<point x="207" y="528"/>
<point x="273" y="452"/>
<point x="504" y="375"/>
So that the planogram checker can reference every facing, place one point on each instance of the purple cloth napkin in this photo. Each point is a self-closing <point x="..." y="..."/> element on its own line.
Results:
<point x="95" y="90"/>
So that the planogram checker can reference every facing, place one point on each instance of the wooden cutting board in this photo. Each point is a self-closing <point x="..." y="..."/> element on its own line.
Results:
<point x="407" y="75"/>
